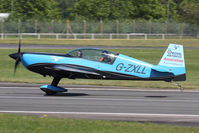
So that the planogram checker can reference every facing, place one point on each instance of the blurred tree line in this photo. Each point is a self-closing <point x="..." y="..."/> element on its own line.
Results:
<point x="47" y="10"/>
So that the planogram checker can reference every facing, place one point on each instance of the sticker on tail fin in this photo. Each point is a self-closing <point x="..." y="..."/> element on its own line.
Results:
<point x="173" y="56"/>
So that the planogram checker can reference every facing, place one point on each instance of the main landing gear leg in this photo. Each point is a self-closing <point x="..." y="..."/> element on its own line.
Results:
<point x="53" y="88"/>
<point x="55" y="81"/>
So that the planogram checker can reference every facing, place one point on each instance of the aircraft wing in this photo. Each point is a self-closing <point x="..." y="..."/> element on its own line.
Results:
<point x="75" y="69"/>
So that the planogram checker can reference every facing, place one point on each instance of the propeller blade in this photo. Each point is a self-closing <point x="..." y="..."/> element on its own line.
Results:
<point x="19" y="46"/>
<point x="16" y="64"/>
<point x="18" y="60"/>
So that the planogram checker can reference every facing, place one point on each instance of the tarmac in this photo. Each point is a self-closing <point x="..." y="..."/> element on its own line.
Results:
<point x="104" y="103"/>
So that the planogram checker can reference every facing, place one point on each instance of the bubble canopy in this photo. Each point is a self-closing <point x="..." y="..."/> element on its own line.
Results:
<point x="94" y="54"/>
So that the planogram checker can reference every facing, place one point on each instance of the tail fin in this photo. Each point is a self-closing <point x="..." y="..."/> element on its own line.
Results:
<point x="173" y="59"/>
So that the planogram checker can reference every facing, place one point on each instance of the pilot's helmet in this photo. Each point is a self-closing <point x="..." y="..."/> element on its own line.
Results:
<point x="105" y="53"/>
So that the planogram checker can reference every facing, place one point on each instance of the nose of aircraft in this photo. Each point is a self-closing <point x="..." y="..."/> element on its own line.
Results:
<point x="14" y="55"/>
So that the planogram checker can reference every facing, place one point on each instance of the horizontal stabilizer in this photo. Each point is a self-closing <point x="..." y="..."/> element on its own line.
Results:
<point x="160" y="69"/>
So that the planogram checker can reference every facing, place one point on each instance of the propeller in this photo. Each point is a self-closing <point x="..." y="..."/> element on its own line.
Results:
<point x="17" y="56"/>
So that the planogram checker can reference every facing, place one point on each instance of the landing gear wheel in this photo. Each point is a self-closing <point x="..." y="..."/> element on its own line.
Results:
<point x="52" y="90"/>
<point x="50" y="93"/>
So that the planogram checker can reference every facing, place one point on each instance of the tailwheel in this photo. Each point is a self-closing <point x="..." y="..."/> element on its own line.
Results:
<point x="178" y="85"/>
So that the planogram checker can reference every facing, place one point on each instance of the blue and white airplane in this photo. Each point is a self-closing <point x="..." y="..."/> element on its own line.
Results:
<point x="91" y="63"/>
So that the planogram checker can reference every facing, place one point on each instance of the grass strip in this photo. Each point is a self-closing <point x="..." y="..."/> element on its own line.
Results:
<point x="139" y="43"/>
<point x="33" y="124"/>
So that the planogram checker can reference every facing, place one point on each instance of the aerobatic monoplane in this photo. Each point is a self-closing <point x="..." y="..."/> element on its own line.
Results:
<point x="92" y="63"/>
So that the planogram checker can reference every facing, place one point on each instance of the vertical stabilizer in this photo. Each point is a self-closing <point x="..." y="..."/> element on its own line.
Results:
<point x="173" y="59"/>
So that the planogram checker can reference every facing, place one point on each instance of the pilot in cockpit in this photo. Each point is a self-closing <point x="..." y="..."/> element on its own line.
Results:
<point x="105" y="57"/>
<point x="79" y="53"/>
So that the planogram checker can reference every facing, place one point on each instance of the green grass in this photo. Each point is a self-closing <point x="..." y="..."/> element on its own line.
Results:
<point x="150" y="55"/>
<point x="141" y="43"/>
<point x="34" y="124"/>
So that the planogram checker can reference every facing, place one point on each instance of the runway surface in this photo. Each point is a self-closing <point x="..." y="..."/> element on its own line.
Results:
<point x="108" y="103"/>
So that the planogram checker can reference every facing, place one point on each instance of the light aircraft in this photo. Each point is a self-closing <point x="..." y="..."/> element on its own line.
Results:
<point x="92" y="63"/>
